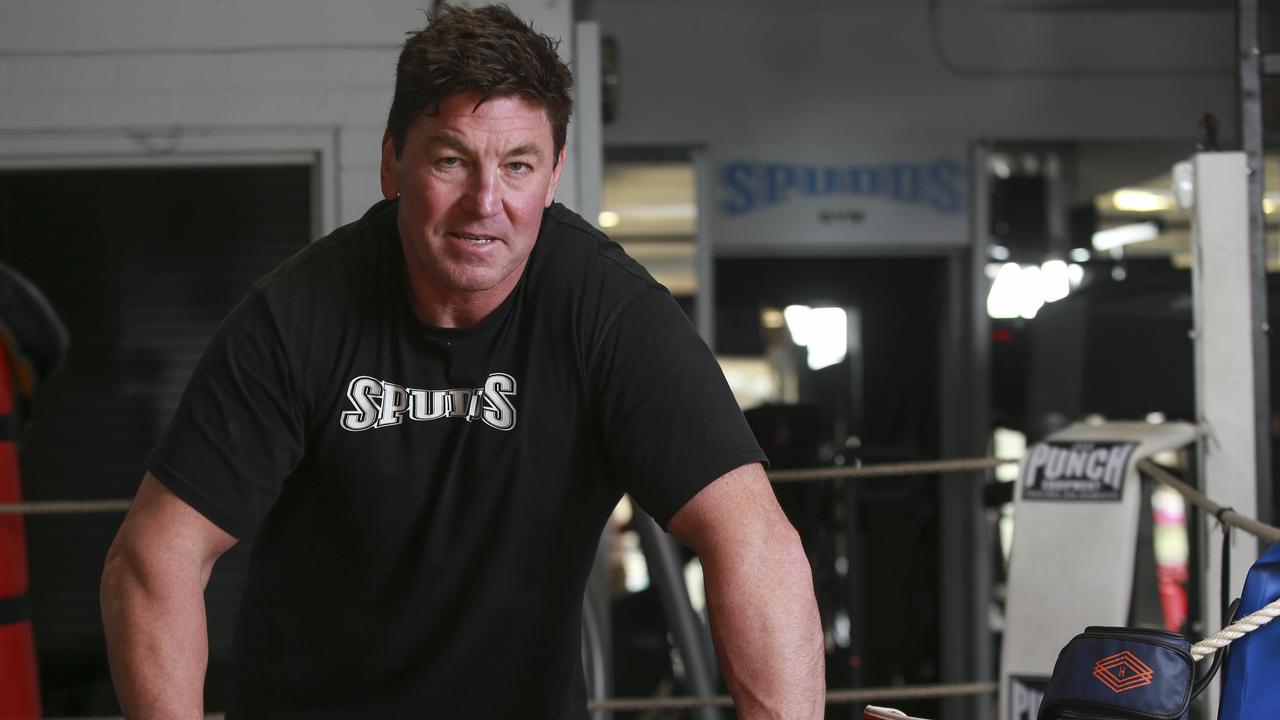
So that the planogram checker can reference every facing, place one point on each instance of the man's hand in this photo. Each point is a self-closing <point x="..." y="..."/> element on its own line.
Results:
<point x="764" y="617"/>
<point x="153" y="604"/>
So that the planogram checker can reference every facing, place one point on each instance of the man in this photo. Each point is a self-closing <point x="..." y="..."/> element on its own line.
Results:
<point x="425" y="418"/>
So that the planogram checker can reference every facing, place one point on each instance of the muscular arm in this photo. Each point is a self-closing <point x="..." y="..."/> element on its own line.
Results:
<point x="153" y="604"/>
<point x="764" y="617"/>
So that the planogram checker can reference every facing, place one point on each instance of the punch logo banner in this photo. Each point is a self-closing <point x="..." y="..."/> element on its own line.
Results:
<point x="378" y="403"/>
<point x="1123" y="671"/>
<point x="1025" y="694"/>
<point x="1076" y="471"/>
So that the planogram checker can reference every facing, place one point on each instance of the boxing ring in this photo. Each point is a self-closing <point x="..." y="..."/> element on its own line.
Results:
<point x="944" y="470"/>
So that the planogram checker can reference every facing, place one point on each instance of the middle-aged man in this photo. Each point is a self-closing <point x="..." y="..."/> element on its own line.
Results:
<point x="425" y="419"/>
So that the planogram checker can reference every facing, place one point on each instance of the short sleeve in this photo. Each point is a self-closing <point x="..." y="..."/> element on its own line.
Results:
<point x="670" y="423"/>
<point x="237" y="433"/>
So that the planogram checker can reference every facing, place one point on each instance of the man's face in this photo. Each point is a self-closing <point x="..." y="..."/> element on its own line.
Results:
<point x="473" y="182"/>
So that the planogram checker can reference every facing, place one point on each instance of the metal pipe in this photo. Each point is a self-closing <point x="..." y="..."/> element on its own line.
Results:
<point x="665" y="573"/>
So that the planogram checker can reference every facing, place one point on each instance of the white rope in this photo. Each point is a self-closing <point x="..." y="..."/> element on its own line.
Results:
<point x="834" y="697"/>
<point x="1235" y="631"/>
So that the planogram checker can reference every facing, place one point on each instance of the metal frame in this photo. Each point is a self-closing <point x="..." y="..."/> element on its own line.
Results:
<point x="1252" y="66"/>
<point x="967" y="653"/>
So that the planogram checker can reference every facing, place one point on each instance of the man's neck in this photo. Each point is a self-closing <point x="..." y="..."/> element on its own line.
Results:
<point x="456" y="309"/>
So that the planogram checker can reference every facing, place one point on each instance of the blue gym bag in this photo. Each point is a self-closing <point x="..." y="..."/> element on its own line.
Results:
<point x="1251" y="676"/>
<point x="1116" y="673"/>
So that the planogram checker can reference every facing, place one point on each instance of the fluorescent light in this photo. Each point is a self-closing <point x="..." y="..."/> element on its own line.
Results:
<point x="1075" y="275"/>
<point x="999" y="165"/>
<point x="999" y="253"/>
<point x="1020" y="292"/>
<point x="1055" y="281"/>
<point x="1002" y="301"/>
<point x="772" y="318"/>
<point x="1079" y="255"/>
<point x="609" y="219"/>
<point x="1131" y="200"/>
<point x="659" y="211"/>
<point x="1116" y="237"/>
<point x="1030" y="295"/>
<point x="824" y="332"/>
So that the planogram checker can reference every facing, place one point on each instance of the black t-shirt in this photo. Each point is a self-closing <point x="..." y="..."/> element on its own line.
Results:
<point x="427" y="501"/>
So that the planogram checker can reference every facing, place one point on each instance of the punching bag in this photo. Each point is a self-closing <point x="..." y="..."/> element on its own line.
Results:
<point x="19" y="678"/>
<point x="33" y="345"/>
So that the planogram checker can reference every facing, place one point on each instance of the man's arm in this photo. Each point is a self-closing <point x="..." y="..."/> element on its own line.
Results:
<point x="153" y="604"/>
<point x="764" y="616"/>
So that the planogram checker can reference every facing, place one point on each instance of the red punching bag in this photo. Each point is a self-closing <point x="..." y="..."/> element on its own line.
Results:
<point x="19" y="677"/>
<point x="33" y="345"/>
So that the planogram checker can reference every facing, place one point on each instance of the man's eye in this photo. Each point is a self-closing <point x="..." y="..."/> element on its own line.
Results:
<point x="519" y="167"/>
<point x="449" y="161"/>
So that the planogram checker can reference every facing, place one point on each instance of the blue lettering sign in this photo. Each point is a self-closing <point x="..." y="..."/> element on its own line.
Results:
<point x="737" y="178"/>
<point x="944" y="176"/>
<point x="747" y="186"/>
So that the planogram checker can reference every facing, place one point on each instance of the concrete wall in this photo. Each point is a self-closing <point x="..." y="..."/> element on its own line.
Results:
<point x="85" y="82"/>
<point x="879" y="72"/>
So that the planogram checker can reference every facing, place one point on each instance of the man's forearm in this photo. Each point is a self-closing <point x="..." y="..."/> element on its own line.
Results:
<point x="764" y="618"/>
<point x="157" y="643"/>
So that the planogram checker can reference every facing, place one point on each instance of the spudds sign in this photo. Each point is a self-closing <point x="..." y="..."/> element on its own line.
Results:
<point x="790" y="207"/>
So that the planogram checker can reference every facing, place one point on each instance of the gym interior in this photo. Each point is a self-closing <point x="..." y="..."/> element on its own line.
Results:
<point x="911" y="231"/>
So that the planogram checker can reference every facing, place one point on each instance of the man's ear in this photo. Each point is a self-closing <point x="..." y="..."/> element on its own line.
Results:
<point x="388" y="174"/>
<point x="555" y="179"/>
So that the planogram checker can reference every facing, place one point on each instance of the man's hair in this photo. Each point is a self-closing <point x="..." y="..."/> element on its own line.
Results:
<point x="488" y="51"/>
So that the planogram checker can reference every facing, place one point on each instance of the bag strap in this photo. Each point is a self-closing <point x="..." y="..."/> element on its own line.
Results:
<point x="1229" y="607"/>
<point x="1218" y="656"/>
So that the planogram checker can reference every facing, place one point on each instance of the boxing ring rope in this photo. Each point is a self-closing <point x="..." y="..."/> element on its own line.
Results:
<point x="926" y="467"/>
<point x="834" y="697"/>
<point x="64" y="507"/>
<point x="923" y="467"/>
<point x="1197" y="498"/>
<point x="1231" y="518"/>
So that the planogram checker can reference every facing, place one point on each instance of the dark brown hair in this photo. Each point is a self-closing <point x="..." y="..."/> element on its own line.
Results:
<point x="488" y="51"/>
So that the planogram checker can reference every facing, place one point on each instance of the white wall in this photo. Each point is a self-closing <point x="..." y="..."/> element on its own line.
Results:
<point x="127" y="80"/>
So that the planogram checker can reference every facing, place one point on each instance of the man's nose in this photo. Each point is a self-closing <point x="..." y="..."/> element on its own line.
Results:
<point x="484" y="196"/>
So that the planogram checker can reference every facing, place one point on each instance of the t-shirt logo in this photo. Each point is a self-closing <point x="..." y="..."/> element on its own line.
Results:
<point x="379" y="403"/>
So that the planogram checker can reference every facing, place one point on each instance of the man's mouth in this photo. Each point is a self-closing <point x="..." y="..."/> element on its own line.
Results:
<point x="476" y="239"/>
